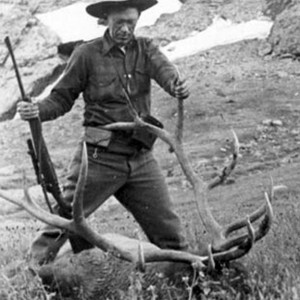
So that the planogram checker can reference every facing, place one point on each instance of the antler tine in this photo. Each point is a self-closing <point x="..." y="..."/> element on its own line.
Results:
<point x="78" y="215"/>
<point x="234" y="253"/>
<point x="263" y="228"/>
<point x="35" y="210"/>
<point x="264" y="209"/>
<point x="227" y="169"/>
<point x="239" y="250"/>
<point x="42" y="215"/>
<point x="141" y="264"/>
<point x="211" y="264"/>
<point x="266" y="223"/>
<point x="236" y="225"/>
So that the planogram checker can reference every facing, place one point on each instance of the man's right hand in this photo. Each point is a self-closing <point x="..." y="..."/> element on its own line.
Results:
<point x="27" y="110"/>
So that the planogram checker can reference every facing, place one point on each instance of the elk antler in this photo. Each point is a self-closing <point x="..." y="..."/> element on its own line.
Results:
<point x="120" y="246"/>
<point x="223" y="247"/>
<point x="237" y="245"/>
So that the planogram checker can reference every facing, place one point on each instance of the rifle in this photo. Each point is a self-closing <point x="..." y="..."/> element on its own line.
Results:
<point x="43" y="166"/>
<point x="42" y="163"/>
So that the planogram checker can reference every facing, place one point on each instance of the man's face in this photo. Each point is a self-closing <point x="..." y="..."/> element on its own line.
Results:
<point x="121" y="25"/>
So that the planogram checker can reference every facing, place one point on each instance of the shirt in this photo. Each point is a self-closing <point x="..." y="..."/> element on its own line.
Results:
<point x="100" y="70"/>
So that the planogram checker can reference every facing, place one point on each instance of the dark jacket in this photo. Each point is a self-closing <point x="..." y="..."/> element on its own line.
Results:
<point x="96" y="69"/>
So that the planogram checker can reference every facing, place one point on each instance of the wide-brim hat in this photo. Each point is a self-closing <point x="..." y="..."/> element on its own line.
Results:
<point x="102" y="8"/>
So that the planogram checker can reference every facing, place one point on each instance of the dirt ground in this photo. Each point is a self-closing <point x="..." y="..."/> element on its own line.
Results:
<point x="232" y="86"/>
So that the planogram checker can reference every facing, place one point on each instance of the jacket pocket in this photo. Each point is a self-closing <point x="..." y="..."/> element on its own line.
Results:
<point x="97" y="136"/>
<point x="103" y="87"/>
<point x="106" y="81"/>
<point x="142" y="82"/>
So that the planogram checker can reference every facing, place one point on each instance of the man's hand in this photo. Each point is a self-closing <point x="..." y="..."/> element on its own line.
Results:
<point x="27" y="110"/>
<point x="181" y="90"/>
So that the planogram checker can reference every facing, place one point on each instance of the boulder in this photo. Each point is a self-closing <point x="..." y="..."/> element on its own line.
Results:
<point x="274" y="7"/>
<point x="284" y="37"/>
<point x="35" y="49"/>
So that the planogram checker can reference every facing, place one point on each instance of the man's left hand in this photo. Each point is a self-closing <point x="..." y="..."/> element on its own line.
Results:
<point x="181" y="90"/>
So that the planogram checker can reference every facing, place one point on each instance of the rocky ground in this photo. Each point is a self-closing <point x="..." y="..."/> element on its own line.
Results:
<point x="251" y="86"/>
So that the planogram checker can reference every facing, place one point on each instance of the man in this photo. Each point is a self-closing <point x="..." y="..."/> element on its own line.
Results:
<point x="109" y="72"/>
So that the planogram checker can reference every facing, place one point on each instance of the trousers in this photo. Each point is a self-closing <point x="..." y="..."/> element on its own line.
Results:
<point x="137" y="183"/>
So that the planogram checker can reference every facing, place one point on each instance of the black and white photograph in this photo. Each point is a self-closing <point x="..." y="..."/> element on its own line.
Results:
<point x="150" y="150"/>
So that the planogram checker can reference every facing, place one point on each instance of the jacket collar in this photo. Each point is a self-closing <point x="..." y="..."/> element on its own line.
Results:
<point x="109" y="44"/>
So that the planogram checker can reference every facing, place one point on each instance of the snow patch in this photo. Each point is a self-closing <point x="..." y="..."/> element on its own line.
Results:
<point x="72" y="23"/>
<point x="221" y="32"/>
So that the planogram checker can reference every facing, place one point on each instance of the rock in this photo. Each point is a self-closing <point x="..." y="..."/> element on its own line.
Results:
<point x="35" y="50"/>
<point x="13" y="20"/>
<point x="220" y="93"/>
<point x="284" y="36"/>
<point x="275" y="7"/>
<point x="295" y="132"/>
<point x="228" y="78"/>
<point x="267" y="122"/>
<point x="265" y="48"/>
<point x="35" y="79"/>
<point x="230" y="101"/>
<point x="270" y="122"/>
<point x="282" y="74"/>
<point x="277" y="123"/>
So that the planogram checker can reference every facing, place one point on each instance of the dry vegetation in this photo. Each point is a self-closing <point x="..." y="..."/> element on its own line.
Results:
<point x="271" y="270"/>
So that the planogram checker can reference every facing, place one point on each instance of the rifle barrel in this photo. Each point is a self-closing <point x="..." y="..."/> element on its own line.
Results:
<point x="10" y="49"/>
